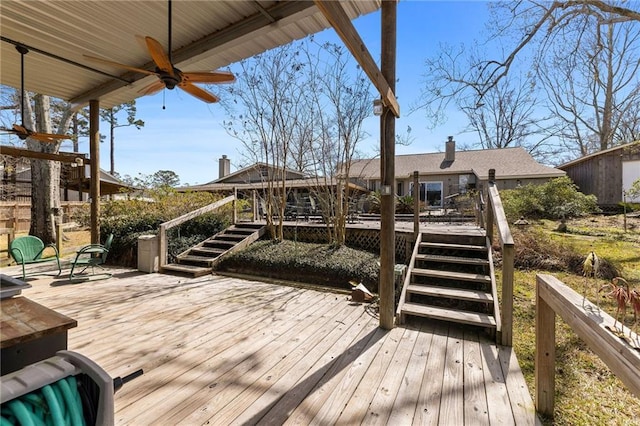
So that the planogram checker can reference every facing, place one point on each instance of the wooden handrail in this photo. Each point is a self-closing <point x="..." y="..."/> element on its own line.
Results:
<point x="495" y="215"/>
<point x="588" y="322"/>
<point x="407" y="279"/>
<point x="162" y="233"/>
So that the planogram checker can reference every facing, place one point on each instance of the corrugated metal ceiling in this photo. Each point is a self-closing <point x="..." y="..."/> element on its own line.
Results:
<point x="206" y="35"/>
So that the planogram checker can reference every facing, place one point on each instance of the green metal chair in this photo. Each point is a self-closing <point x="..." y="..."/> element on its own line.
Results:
<point x="29" y="249"/>
<point x="92" y="256"/>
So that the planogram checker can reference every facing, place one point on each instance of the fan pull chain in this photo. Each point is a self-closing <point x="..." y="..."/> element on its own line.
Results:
<point x="163" y="93"/>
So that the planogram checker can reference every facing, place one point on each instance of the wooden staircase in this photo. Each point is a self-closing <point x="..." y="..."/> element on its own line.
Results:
<point x="451" y="278"/>
<point x="202" y="258"/>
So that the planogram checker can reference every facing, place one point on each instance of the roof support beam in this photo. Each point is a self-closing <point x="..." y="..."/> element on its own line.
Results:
<point x="63" y="157"/>
<point x="335" y="14"/>
<point x="253" y="23"/>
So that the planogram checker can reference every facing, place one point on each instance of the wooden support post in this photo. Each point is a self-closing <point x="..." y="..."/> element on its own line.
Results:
<point x="416" y="206"/>
<point x="387" y="171"/>
<point x="94" y="152"/>
<point x="545" y="357"/>
<point x="508" y="256"/>
<point x="59" y="237"/>
<point x="255" y="206"/>
<point x="234" y="205"/>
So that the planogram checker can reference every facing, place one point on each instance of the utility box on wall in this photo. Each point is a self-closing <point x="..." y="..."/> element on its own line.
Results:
<point x="148" y="253"/>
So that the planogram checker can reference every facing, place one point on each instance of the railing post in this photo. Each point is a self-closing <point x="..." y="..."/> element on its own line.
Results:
<point x="234" y="205"/>
<point x="254" y="209"/>
<point x="416" y="206"/>
<point x="162" y="246"/>
<point x="490" y="215"/>
<point x="545" y="355"/>
<point x="508" y="254"/>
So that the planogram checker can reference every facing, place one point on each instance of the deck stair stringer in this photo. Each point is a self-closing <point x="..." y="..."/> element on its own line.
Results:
<point x="202" y="258"/>
<point x="451" y="278"/>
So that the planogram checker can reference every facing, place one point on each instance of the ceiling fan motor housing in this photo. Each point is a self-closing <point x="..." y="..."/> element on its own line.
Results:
<point x="170" y="81"/>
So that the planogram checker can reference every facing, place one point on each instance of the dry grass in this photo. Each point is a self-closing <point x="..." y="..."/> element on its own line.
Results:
<point x="71" y="242"/>
<point x="587" y="393"/>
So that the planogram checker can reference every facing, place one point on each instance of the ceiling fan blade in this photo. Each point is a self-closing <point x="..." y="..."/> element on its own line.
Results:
<point x="20" y="129"/>
<point x="43" y="137"/>
<point x="116" y="64"/>
<point x="54" y="135"/>
<point x="198" y="92"/>
<point x="152" y="88"/>
<point x="208" y="77"/>
<point x="159" y="56"/>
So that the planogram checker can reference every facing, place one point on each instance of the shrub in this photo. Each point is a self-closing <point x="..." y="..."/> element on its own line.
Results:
<point x="535" y="250"/>
<point x="312" y="263"/>
<point x="404" y="204"/>
<point x="557" y="199"/>
<point x="129" y="219"/>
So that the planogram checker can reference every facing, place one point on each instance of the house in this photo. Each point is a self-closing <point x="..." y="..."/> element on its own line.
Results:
<point x="606" y="173"/>
<point x="74" y="186"/>
<point x="444" y="174"/>
<point x="257" y="176"/>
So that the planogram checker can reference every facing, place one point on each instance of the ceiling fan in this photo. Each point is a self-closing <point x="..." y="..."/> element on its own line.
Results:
<point x="169" y="76"/>
<point x="20" y="129"/>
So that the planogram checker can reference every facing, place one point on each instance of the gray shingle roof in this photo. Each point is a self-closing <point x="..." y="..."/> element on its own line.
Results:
<point x="509" y="163"/>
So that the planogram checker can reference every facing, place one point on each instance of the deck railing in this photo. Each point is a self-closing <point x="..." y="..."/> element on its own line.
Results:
<point x="496" y="216"/>
<point x="590" y="324"/>
<point x="164" y="227"/>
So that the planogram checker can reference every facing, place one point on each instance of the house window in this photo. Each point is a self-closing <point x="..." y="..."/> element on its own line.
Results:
<point x="430" y="194"/>
<point x="433" y="194"/>
<point x="400" y="188"/>
<point x="463" y="184"/>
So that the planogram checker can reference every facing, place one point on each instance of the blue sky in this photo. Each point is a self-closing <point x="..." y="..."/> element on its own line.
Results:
<point x="187" y="137"/>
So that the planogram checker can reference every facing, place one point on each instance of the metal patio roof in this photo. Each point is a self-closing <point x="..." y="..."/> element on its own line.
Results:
<point x="206" y="35"/>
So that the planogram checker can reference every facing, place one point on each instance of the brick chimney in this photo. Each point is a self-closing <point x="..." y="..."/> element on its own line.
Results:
<point x="450" y="150"/>
<point x="224" y="167"/>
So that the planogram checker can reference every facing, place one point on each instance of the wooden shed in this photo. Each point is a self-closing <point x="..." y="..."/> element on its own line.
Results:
<point x="607" y="173"/>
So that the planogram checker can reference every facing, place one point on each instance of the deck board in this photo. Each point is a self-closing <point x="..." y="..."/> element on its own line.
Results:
<point x="221" y="350"/>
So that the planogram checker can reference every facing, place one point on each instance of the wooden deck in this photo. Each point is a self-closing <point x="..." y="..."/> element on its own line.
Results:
<point x="219" y="350"/>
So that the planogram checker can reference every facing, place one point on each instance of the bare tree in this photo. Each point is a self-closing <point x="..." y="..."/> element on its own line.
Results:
<point x="45" y="174"/>
<point x="574" y="29"/>
<point x="506" y="116"/>
<point x="268" y="93"/>
<point x="340" y="100"/>
<point x="594" y="90"/>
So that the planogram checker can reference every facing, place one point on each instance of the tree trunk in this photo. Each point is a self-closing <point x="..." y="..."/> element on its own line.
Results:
<point x="45" y="197"/>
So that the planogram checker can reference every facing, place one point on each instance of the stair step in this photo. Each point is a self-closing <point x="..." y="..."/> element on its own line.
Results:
<point x="231" y="237"/>
<point x="213" y="242"/>
<point x="196" y="259"/>
<point x="195" y="271"/>
<point x="243" y="231"/>
<point x="454" y="246"/>
<point x="210" y="251"/>
<point x="452" y="259"/>
<point x="449" y="275"/>
<point x="444" y="314"/>
<point x="451" y="293"/>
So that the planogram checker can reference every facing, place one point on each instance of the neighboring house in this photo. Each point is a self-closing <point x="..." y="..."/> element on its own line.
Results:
<point x="606" y="173"/>
<point x="16" y="182"/>
<point x="452" y="172"/>
<point x="256" y="177"/>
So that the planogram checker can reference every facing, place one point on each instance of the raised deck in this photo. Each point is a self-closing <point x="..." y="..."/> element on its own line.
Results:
<point x="221" y="350"/>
